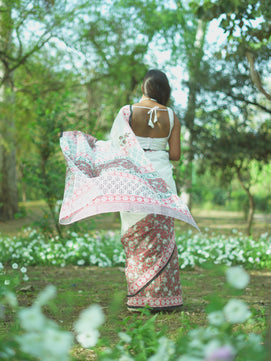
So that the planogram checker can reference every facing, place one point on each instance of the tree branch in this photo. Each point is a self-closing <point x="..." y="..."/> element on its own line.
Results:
<point x="29" y="53"/>
<point x="255" y="75"/>
<point x="242" y="99"/>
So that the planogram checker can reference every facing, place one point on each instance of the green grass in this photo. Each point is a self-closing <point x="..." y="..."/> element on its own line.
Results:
<point x="79" y="287"/>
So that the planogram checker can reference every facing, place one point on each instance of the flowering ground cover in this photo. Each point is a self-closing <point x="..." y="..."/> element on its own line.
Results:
<point x="78" y="287"/>
<point x="104" y="249"/>
<point x="87" y="268"/>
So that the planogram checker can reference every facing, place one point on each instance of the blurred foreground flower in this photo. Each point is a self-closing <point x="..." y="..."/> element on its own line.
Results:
<point x="86" y="326"/>
<point x="88" y="338"/>
<point x="46" y="295"/>
<point x="32" y="319"/>
<point x="216" y="318"/>
<point x="223" y="353"/>
<point x="236" y="311"/>
<point x="43" y="339"/>
<point x="237" y="277"/>
<point x="48" y="345"/>
<point x="165" y="350"/>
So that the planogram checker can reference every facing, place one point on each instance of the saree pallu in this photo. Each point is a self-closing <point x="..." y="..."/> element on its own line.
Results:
<point x="114" y="176"/>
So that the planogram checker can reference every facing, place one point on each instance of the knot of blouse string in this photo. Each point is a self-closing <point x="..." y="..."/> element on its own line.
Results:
<point x="152" y="122"/>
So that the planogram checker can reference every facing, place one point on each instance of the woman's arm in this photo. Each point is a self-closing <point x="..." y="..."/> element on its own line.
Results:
<point x="175" y="140"/>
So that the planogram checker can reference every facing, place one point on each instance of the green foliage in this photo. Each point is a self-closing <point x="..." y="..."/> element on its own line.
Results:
<point x="238" y="18"/>
<point x="95" y="57"/>
<point x="138" y="337"/>
<point x="44" y="169"/>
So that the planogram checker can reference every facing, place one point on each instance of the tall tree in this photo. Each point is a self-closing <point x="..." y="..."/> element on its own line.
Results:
<point x="25" y="27"/>
<point x="8" y="189"/>
<point x="194" y="67"/>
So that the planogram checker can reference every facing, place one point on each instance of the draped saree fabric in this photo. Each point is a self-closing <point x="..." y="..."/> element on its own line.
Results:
<point x="114" y="176"/>
<point x="117" y="176"/>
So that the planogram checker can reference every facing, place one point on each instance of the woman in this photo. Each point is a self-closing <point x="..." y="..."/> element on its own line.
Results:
<point x="155" y="126"/>
<point x="132" y="173"/>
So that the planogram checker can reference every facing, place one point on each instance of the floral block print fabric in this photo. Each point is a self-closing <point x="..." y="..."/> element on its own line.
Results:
<point x="112" y="176"/>
<point x="152" y="267"/>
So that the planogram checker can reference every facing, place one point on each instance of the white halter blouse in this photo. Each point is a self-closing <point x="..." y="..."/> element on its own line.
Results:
<point x="148" y="143"/>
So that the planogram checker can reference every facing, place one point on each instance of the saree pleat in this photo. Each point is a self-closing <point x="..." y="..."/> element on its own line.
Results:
<point x="152" y="267"/>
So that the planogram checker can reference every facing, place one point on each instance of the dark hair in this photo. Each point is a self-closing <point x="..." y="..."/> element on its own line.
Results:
<point x="156" y="86"/>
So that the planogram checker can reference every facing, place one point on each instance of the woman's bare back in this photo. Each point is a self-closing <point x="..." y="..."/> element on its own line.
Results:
<point x="141" y="117"/>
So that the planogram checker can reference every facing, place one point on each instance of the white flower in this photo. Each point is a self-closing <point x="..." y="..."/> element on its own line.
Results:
<point x="236" y="311"/>
<point x="25" y="278"/>
<point x="165" y="350"/>
<point x="89" y="319"/>
<point x="126" y="358"/>
<point x="11" y="299"/>
<point x="15" y="266"/>
<point x="237" y="277"/>
<point x="124" y="337"/>
<point x="203" y="334"/>
<point x="216" y="318"/>
<point x="32" y="319"/>
<point x="89" y="338"/>
<point x="31" y="343"/>
<point x="47" y="294"/>
<point x="211" y="346"/>
<point x="48" y="345"/>
<point x="7" y="282"/>
<point x="195" y="343"/>
<point x="81" y="262"/>
<point x="56" y="342"/>
<point x="255" y="341"/>
<point x="23" y="269"/>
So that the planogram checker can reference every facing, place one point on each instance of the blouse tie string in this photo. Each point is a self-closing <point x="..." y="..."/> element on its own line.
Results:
<point x="152" y="122"/>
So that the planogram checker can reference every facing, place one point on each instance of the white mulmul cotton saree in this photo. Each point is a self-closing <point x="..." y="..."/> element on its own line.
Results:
<point x="118" y="176"/>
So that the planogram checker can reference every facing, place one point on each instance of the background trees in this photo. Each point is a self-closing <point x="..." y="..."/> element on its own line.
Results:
<point x="25" y="28"/>
<point x="73" y="65"/>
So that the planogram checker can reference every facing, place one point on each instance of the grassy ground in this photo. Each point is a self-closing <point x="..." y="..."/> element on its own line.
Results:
<point x="78" y="287"/>
<point x="218" y="221"/>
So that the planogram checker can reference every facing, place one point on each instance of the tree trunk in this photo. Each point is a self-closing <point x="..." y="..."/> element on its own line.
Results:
<point x="9" y="193"/>
<point x="251" y="203"/>
<point x="194" y="60"/>
<point x="8" y="181"/>
<point x="186" y="194"/>
<point x="255" y="77"/>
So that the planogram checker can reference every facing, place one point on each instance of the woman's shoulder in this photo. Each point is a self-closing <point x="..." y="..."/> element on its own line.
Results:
<point x="125" y="108"/>
<point x="125" y="112"/>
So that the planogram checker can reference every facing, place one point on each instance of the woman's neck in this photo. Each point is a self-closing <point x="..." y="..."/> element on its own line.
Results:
<point x="144" y="97"/>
